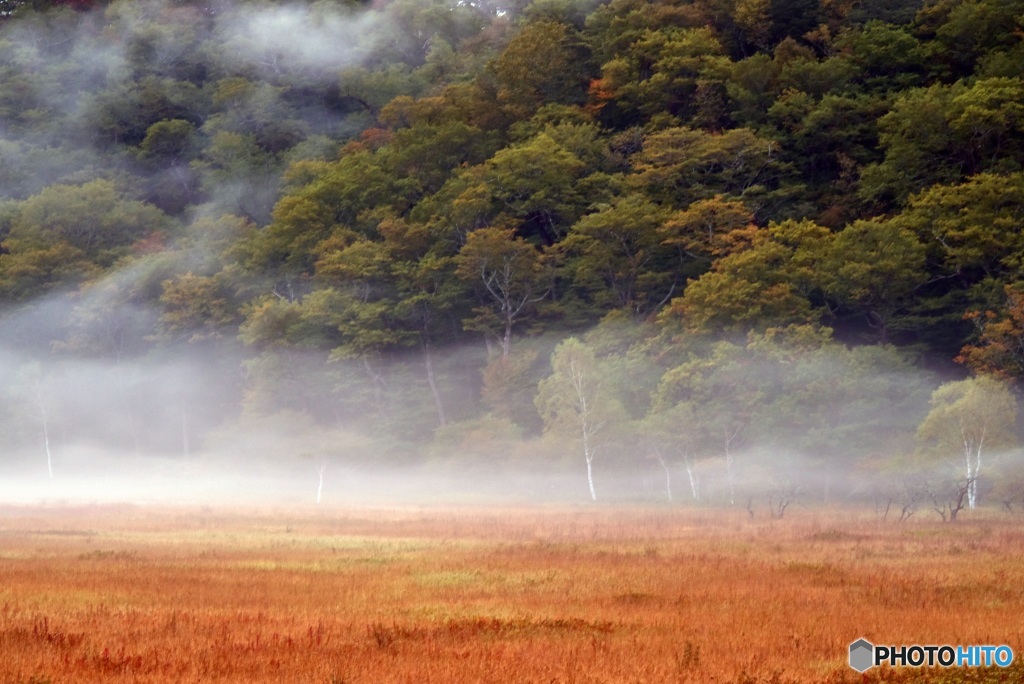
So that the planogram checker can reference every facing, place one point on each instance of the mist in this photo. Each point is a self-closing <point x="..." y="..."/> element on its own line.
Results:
<point x="155" y="347"/>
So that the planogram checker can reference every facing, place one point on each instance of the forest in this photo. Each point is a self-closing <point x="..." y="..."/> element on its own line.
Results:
<point x="705" y="251"/>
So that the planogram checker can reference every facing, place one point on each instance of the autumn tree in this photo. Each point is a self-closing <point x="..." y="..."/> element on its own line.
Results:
<point x="768" y="281"/>
<point x="664" y="71"/>
<point x="69" y="233"/>
<point x="999" y="347"/>
<point x="700" y="231"/>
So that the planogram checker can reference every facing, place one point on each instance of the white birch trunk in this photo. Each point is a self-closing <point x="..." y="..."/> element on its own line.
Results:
<point x="428" y="361"/>
<point x="692" y="474"/>
<point x="590" y="476"/>
<point x="588" y="428"/>
<point x="46" y="444"/>
<point x="668" y="475"/>
<point x="44" y="419"/>
<point x="320" y="483"/>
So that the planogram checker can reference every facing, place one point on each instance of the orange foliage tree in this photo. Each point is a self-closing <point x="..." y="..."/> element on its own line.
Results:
<point x="999" y="349"/>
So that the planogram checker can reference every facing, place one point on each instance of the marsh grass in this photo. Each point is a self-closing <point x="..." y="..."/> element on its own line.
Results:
<point x="126" y="594"/>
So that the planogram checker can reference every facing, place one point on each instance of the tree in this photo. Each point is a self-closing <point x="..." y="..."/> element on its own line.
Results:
<point x="573" y="400"/>
<point x="661" y="73"/>
<point x="972" y="229"/>
<point x="67" y="234"/>
<point x="999" y="349"/>
<point x="874" y="269"/>
<point x="33" y="383"/>
<point x="509" y="386"/>
<point x="123" y="113"/>
<point x="540" y="185"/>
<point x="722" y="391"/>
<point x="972" y="416"/>
<point x="766" y="283"/>
<point x="543" y="63"/>
<point x="966" y="31"/>
<point x="428" y="300"/>
<point x="511" y="273"/>
<point x="615" y="256"/>
<point x="700" y="230"/>
<point x="678" y="166"/>
<point x="333" y="199"/>
<point x="196" y="307"/>
<point x="838" y="406"/>
<point x="752" y="18"/>
<point x="680" y="432"/>
<point x="238" y="176"/>
<point x="887" y="55"/>
<point x="945" y="134"/>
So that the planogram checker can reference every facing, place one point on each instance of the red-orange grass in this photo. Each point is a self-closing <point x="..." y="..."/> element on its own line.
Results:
<point x="130" y="594"/>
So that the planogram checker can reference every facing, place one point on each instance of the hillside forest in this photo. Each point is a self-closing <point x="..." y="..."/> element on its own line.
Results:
<point x="700" y="250"/>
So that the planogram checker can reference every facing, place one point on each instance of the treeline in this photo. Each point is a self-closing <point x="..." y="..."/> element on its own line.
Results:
<point x="672" y="231"/>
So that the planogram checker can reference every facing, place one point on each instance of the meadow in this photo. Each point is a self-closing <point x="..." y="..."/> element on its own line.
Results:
<point x="584" y="594"/>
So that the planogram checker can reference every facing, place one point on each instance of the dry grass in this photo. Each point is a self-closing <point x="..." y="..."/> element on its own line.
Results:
<point x="123" y="594"/>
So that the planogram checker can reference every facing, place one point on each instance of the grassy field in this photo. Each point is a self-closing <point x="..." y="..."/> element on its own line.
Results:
<point x="138" y="594"/>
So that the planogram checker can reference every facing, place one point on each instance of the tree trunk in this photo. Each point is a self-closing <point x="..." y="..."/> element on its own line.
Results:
<point x="668" y="475"/>
<point x="691" y="473"/>
<point x="46" y="444"/>
<point x="44" y="419"/>
<point x="378" y="391"/>
<point x="972" y="465"/>
<point x="588" y="454"/>
<point x="506" y="340"/>
<point x="729" y="464"/>
<point x="428" y="361"/>
<point x="320" y="483"/>
<point x="590" y="478"/>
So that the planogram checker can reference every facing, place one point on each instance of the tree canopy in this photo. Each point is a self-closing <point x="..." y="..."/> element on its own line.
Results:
<point x="394" y="214"/>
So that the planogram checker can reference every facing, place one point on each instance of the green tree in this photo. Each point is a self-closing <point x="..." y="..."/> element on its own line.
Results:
<point x="722" y="391"/>
<point x="971" y="416"/>
<point x="544" y="63"/>
<point x="615" y="256"/>
<point x="889" y="57"/>
<point x="511" y="274"/>
<point x="67" y="234"/>
<point x="573" y="401"/>
<point x="679" y="166"/>
<point x="662" y="73"/>
<point x="945" y="134"/>
<point x="676" y="433"/>
<point x="972" y="228"/>
<point x="123" y="113"/>
<point x="964" y="32"/>
<point x="875" y="269"/>
<point x="540" y="185"/>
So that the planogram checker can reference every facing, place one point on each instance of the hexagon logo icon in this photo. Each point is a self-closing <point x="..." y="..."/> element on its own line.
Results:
<point x="862" y="654"/>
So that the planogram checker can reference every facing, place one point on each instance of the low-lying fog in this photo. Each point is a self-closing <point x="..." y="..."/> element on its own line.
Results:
<point x="106" y="397"/>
